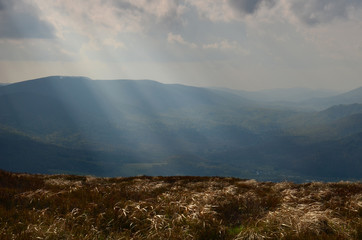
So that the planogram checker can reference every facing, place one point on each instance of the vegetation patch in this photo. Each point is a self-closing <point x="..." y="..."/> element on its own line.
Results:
<point x="85" y="207"/>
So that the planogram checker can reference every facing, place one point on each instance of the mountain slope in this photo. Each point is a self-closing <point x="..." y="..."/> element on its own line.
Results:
<point x="292" y="95"/>
<point x="107" y="112"/>
<point x="351" y="97"/>
<point x="125" y="127"/>
<point x="22" y="154"/>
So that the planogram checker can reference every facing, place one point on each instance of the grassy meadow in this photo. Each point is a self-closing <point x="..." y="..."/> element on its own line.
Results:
<point x="85" y="207"/>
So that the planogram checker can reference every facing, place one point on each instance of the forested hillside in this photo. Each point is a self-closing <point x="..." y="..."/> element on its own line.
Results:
<point x="126" y="128"/>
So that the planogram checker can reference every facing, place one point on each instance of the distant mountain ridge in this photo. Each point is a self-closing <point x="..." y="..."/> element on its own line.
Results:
<point x="301" y="98"/>
<point x="127" y="127"/>
<point x="292" y="95"/>
<point x="350" y="97"/>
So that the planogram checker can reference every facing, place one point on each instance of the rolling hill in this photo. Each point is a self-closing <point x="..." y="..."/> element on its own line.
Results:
<point x="350" y="97"/>
<point x="282" y="95"/>
<point x="125" y="127"/>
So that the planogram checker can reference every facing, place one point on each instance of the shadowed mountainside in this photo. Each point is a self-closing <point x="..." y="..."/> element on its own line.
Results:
<point x="126" y="128"/>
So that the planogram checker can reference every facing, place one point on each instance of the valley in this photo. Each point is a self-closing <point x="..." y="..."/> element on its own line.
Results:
<point x="125" y="128"/>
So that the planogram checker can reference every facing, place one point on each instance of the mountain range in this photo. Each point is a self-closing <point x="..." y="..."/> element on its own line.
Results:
<point x="77" y="125"/>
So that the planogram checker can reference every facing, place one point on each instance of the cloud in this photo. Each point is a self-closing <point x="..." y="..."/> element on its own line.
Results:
<point x="226" y="45"/>
<point x="213" y="10"/>
<point x="113" y="43"/>
<point x="18" y="19"/>
<point x="115" y="15"/>
<point x="308" y="12"/>
<point x="229" y="10"/>
<point x="177" y="38"/>
<point x="250" y="6"/>
<point x="313" y="12"/>
<point x="286" y="33"/>
<point x="158" y="8"/>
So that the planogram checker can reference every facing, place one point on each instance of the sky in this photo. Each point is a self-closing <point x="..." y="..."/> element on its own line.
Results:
<point x="239" y="44"/>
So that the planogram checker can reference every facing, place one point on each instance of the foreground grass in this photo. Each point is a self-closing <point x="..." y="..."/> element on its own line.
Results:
<point x="77" y="207"/>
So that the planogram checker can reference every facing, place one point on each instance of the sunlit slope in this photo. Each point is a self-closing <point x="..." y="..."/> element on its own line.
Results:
<point x="126" y="127"/>
<point x="111" y="112"/>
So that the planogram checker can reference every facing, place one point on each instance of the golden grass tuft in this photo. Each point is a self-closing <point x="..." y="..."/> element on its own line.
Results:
<point x="76" y="207"/>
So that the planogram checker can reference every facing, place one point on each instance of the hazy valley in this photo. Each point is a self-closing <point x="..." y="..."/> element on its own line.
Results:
<point x="124" y="128"/>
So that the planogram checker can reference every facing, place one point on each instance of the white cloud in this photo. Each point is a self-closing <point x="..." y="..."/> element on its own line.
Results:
<point x="113" y="43"/>
<point x="226" y="45"/>
<point x="177" y="38"/>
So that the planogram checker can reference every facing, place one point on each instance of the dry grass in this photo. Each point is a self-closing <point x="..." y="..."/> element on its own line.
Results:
<point x="77" y="207"/>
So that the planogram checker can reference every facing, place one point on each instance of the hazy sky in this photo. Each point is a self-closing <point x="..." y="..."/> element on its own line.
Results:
<point x="244" y="44"/>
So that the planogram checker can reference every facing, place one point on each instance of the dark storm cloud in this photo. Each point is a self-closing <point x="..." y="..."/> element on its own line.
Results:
<point x="249" y="6"/>
<point x="313" y="12"/>
<point x="20" y="20"/>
